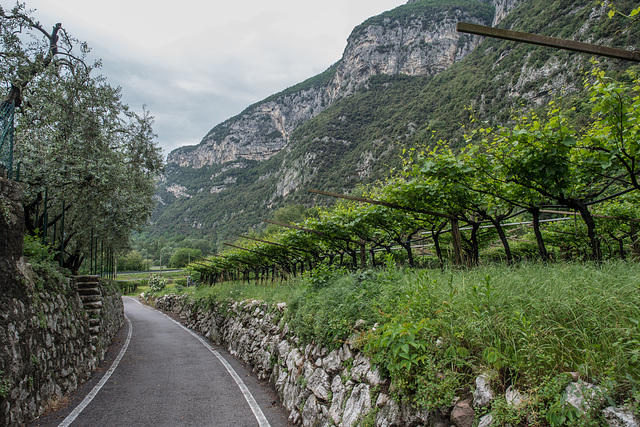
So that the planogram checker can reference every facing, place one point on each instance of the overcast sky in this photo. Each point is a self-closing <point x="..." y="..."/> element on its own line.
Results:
<point x="196" y="63"/>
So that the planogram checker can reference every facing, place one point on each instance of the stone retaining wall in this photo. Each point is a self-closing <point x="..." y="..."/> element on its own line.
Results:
<point x="46" y="347"/>
<point x="340" y="388"/>
<point x="318" y="387"/>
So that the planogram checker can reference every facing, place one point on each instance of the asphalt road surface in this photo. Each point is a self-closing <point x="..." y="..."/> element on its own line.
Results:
<point x="158" y="373"/>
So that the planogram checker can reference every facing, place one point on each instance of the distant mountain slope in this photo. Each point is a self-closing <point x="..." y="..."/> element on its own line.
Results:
<point x="404" y="74"/>
<point x="416" y="39"/>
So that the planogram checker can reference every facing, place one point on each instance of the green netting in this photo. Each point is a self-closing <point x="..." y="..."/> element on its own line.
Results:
<point x="6" y="137"/>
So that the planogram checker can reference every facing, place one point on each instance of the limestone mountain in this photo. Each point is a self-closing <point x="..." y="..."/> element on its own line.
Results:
<point x="404" y="74"/>
<point x="416" y="40"/>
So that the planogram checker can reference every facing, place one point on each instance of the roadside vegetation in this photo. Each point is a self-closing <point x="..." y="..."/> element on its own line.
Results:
<point x="158" y="282"/>
<point x="530" y="326"/>
<point x="514" y="257"/>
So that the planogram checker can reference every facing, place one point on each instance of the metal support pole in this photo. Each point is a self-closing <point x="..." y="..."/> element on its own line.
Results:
<point x="45" y="216"/>
<point x="62" y="236"/>
<point x="91" y="254"/>
<point x="101" y="257"/>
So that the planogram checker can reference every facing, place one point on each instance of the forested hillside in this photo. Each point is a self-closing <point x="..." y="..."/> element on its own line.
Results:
<point x="358" y="138"/>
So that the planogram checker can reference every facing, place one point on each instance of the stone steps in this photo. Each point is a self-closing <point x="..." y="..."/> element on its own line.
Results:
<point x="88" y="289"/>
<point x="87" y="292"/>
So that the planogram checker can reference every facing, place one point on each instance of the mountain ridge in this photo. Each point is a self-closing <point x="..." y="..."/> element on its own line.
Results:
<point x="391" y="43"/>
<point x="358" y="138"/>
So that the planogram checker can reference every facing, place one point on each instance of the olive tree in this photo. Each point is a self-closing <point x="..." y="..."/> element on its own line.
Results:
<point x="89" y="162"/>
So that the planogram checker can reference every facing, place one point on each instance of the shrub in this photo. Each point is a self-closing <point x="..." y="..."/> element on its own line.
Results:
<point x="156" y="283"/>
<point x="35" y="250"/>
<point x="132" y="261"/>
<point x="182" y="256"/>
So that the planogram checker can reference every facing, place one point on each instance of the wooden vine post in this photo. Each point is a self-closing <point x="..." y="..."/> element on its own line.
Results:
<point x="547" y="41"/>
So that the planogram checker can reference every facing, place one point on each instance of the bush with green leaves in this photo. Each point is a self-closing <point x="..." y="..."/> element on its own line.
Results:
<point x="335" y="300"/>
<point x="132" y="261"/>
<point x="157" y="283"/>
<point x="35" y="250"/>
<point x="4" y="385"/>
<point x="526" y="326"/>
<point x="183" y="256"/>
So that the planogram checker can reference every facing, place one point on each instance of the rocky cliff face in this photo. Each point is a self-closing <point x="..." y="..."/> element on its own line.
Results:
<point x="404" y="75"/>
<point x="414" y="45"/>
<point x="415" y="40"/>
<point x="257" y="133"/>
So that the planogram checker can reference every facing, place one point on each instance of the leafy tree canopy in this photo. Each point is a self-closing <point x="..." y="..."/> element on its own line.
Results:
<point x="88" y="161"/>
<point x="183" y="256"/>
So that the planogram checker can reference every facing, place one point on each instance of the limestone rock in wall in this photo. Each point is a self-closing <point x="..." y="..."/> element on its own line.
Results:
<point x="47" y="348"/>
<point x="483" y="394"/>
<point x="620" y="417"/>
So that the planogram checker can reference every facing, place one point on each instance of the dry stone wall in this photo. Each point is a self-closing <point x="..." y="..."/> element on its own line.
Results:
<point x="340" y="388"/>
<point x="49" y="343"/>
<point x="47" y="348"/>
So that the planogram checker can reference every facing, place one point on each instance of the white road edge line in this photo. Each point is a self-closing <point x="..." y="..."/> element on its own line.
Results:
<point x="255" y="408"/>
<point x="89" y="397"/>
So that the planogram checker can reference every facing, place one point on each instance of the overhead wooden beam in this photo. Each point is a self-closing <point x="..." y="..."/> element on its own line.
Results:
<point x="276" y="244"/>
<point x="361" y="243"/>
<point x="617" y="218"/>
<point x="205" y="265"/>
<point x="380" y="203"/>
<point x="555" y="42"/>
<point x="319" y="233"/>
<point x="455" y="228"/>
<point x="228" y="260"/>
<point x="251" y="250"/>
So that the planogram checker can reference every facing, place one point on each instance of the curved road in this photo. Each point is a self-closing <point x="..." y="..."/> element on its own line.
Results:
<point x="166" y="375"/>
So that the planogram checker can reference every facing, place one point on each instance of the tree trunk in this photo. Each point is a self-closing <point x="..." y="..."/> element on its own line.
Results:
<point x="623" y="253"/>
<point x="475" y="248"/>
<point x="503" y="238"/>
<point x="635" y="242"/>
<point x="436" y="242"/>
<point x="594" y="242"/>
<point x="457" y="242"/>
<point x="407" y="247"/>
<point x="535" y="212"/>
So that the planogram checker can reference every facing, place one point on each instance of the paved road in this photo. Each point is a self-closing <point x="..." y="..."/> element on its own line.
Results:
<point x="170" y="377"/>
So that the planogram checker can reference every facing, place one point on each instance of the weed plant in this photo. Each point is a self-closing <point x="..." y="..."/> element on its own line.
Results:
<point x="41" y="258"/>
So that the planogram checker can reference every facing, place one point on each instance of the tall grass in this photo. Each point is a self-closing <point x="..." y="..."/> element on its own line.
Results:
<point x="433" y="331"/>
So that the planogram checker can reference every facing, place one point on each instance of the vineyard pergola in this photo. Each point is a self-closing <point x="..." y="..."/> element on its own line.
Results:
<point x="543" y="170"/>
